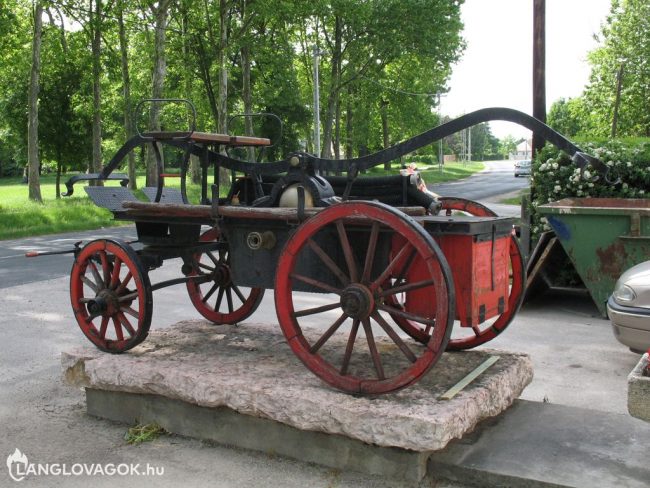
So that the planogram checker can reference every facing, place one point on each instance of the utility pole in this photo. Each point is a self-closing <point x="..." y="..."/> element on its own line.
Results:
<point x="317" y="54"/>
<point x="539" y="68"/>
<point x="469" y="144"/>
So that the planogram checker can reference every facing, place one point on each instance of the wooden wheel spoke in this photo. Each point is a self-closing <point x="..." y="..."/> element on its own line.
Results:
<point x="315" y="283"/>
<point x="347" y="251"/>
<point x="125" y="322"/>
<point x="406" y="288"/>
<point x="210" y="292"/>
<point x="406" y="315"/>
<point x="124" y="283"/>
<point x="103" y="327"/>
<point x="128" y="297"/>
<point x="98" y="279"/>
<point x="376" y="359"/>
<point x="315" y="310"/>
<point x="229" y="300"/>
<point x="205" y="266"/>
<point x="370" y="255"/>
<point x="118" y="329"/>
<point x="391" y="266"/>
<point x="395" y="337"/>
<point x="476" y="330"/>
<point x="328" y="333"/>
<point x="239" y="294"/>
<point x="406" y="267"/>
<point x="332" y="266"/>
<point x="90" y="284"/>
<point x="115" y="275"/>
<point x="349" y="347"/>
<point x="106" y="268"/>
<point x="131" y="311"/>
<point x="212" y="258"/>
<point x="217" y="305"/>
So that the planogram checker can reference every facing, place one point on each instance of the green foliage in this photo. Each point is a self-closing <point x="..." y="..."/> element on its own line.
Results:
<point x="143" y="433"/>
<point x="555" y="176"/>
<point x="389" y="50"/>
<point x="625" y="44"/>
<point x="507" y="145"/>
<point x="568" y="117"/>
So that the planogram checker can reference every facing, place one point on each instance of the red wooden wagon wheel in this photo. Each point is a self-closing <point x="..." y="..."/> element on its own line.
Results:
<point x="219" y="299"/>
<point x="489" y="330"/>
<point x="111" y="295"/>
<point x="344" y="251"/>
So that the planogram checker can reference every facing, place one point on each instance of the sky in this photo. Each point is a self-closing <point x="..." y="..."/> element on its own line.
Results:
<point x="496" y="67"/>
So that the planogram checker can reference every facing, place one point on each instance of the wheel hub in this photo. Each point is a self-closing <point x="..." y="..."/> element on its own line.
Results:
<point x="105" y="303"/>
<point x="357" y="301"/>
<point x="222" y="275"/>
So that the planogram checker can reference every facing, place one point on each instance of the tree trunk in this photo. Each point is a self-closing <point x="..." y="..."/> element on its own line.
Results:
<point x="348" y="124"/>
<point x="158" y="82"/>
<point x="32" y="121"/>
<point x="337" y="130"/>
<point x="195" y="167"/>
<point x="383" y="109"/>
<point x="59" y="168"/>
<point x="222" y="128"/>
<point x="126" y="82"/>
<point x="617" y="101"/>
<point x="96" y="43"/>
<point x="247" y="97"/>
<point x="333" y="96"/>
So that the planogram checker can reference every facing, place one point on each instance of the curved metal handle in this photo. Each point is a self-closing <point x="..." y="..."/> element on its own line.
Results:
<point x="136" y="115"/>
<point x="262" y="114"/>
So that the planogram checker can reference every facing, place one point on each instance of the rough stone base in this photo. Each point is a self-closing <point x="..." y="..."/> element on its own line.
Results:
<point x="638" y="389"/>
<point x="250" y="370"/>
<point x="227" y="427"/>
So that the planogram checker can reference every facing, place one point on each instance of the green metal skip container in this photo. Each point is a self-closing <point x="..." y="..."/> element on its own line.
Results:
<point x="603" y="237"/>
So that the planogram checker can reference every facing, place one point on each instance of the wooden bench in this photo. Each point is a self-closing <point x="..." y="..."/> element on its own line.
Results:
<point x="209" y="138"/>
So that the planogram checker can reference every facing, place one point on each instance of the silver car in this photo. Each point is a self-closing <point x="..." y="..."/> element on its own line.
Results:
<point x="522" y="168"/>
<point x="629" y="308"/>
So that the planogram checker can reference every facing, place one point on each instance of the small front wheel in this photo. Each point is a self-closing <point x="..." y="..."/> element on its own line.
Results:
<point x="111" y="295"/>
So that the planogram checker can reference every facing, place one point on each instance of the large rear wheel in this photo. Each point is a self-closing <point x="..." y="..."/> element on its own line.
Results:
<point x="345" y="252"/>
<point x="468" y="338"/>
<point x="218" y="299"/>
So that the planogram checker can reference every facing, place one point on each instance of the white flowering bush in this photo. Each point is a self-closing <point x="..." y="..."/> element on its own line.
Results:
<point x="555" y="175"/>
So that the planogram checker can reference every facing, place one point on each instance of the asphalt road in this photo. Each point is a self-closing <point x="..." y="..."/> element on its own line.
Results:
<point x="15" y="269"/>
<point x="497" y="179"/>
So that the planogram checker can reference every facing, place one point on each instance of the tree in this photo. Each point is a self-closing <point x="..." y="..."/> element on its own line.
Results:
<point x="567" y="116"/>
<point x="507" y="145"/>
<point x="34" y="87"/>
<point x="618" y="94"/>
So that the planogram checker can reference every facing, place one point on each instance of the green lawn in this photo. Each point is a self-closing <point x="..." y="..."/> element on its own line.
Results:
<point x="20" y="217"/>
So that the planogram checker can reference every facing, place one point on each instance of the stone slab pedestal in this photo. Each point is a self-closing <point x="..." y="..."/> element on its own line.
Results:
<point x="242" y="386"/>
<point x="638" y="389"/>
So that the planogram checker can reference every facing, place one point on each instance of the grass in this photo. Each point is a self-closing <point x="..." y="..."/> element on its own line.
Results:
<point x="20" y="217"/>
<point x="516" y="200"/>
<point x="143" y="433"/>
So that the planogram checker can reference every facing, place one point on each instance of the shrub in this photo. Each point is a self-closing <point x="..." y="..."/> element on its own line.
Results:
<point x="555" y="176"/>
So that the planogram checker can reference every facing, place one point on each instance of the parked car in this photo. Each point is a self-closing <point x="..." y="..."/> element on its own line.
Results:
<point x="629" y="308"/>
<point x="522" y="168"/>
